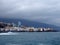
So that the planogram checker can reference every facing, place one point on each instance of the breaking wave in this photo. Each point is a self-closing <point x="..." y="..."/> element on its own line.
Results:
<point x="9" y="33"/>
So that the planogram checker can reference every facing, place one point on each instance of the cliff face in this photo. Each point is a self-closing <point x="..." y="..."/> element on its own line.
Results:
<point x="3" y="25"/>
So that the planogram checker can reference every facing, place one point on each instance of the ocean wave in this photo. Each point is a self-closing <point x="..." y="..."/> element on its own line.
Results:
<point x="43" y="44"/>
<point x="12" y="44"/>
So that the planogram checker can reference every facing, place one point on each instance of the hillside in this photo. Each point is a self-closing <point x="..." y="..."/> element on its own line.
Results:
<point x="29" y="23"/>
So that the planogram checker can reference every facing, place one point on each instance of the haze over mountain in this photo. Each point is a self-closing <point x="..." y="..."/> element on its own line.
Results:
<point x="29" y="23"/>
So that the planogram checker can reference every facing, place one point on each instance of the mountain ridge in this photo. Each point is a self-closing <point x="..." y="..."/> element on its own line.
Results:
<point x="29" y="23"/>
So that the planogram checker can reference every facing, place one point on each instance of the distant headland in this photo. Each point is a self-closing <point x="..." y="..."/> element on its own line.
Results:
<point x="11" y="27"/>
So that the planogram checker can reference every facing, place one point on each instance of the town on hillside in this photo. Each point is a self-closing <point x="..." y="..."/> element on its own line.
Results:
<point x="6" y="27"/>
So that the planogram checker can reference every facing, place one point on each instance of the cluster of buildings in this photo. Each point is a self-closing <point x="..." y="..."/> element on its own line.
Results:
<point x="6" y="27"/>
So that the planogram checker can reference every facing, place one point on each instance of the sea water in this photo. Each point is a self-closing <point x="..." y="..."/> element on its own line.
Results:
<point x="30" y="38"/>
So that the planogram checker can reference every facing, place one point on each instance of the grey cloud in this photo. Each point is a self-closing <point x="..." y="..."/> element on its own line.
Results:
<point x="44" y="10"/>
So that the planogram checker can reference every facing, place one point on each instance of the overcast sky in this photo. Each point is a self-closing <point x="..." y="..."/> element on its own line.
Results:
<point x="47" y="11"/>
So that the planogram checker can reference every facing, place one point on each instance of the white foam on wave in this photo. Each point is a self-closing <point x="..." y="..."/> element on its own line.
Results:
<point x="9" y="33"/>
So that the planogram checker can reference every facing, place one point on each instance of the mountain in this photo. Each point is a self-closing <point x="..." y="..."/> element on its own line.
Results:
<point x="30" y="23"/>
